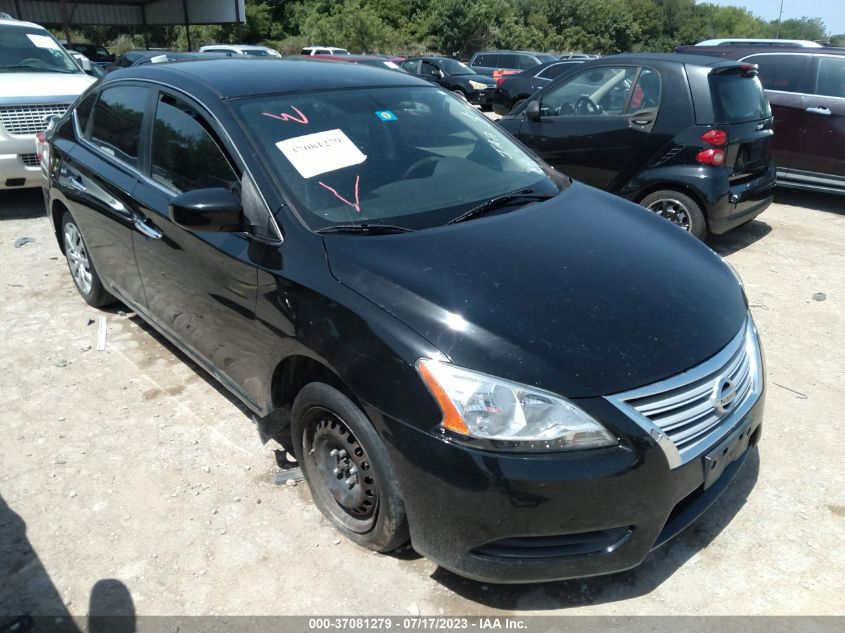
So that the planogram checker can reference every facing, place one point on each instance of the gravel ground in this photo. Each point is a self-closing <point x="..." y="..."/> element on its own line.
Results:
<point x="131" y="464"/>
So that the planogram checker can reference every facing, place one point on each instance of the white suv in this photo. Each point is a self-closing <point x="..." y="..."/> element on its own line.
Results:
<point x="324" y="50"/>
<point x="240" y="49"/>
<point x="37" y="79"/>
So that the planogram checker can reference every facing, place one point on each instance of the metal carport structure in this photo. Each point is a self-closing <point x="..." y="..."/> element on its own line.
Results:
<point x="137" y="13"/>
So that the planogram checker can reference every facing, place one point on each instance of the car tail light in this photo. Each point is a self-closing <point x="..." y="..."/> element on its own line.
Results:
<point x="500" y="80"/>
<point x="714" y="157"/>
<point x="715" y="137"/>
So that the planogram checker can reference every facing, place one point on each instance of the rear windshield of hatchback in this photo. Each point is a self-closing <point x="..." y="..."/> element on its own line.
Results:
<point x="738" y="98"/>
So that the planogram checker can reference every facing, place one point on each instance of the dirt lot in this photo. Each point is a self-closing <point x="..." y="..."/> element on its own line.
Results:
<point x="131" y="464"/>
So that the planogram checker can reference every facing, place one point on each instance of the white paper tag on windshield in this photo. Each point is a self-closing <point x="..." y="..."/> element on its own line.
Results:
<point x="43" y="41"/>
<point x="322" y="152"/>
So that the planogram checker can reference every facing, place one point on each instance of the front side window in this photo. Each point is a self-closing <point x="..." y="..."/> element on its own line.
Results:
<point x="831" y="79"/>
<point x="83" y="113"/>
<point x="32" y="50"/>
<point x="116" y="126"/>
<point x="185" y="155"/>
<point x="412" y="66"/>
<point x="257" y="52"/>
<point x="411" y="156"/>
<point x="781" y="72"/>
<point x="595" y="91"/>
<point x="486" y="60"/>
<point x="429" y="69"/>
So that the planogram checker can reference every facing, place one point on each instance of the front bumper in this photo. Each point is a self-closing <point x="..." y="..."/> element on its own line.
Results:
<point x="507" y="518"/>
<point x="18" y="163"/>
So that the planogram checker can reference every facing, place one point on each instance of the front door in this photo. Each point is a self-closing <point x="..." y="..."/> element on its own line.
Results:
<point x="596" y="122"/>
<point x="200" y="286"/>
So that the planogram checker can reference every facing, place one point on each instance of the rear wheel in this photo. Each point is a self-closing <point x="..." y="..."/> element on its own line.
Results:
<point x="347" y="468"/>
<point x="81" y="267"/>
<point x="678" y="208"/>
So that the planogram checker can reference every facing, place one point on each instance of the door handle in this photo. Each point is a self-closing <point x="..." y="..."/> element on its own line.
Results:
<point x="819" y="110"/>
<point x="75" y="182"/>
<point x="145" y="229"/>
<point x="640" y="121"/>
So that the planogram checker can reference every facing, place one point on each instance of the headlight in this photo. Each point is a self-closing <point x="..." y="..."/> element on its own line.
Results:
<point x="509" y="415"/>
<point x="477" y="85"/>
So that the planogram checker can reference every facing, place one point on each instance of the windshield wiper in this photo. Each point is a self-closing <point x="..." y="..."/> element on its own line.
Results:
<point x="500" y="201"/>
<point x="372" y="229"/>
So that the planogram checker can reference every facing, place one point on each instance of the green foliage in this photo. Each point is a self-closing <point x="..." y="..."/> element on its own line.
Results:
<point x="464" y="26"/>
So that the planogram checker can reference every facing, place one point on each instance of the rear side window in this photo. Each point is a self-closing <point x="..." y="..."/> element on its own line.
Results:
<point x="647" y="91"/>
<point x="185" y="155"/>
<point x="780" y="72"/>
<point x="487" y="60"/>
<point x="116" y="126"/>
<point x="554" y="71"/>
<point x="738" y="97"/>
<point x="508" y="61"/>
<point x="831" y="79"/>
<point x="525" y="62"/>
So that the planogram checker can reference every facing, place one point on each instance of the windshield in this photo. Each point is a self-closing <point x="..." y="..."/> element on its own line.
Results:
<point x="739" y="97"/>
<point x="25" y="49"/>
<point x="454" y="67"/>
<point x="415" y="157"/>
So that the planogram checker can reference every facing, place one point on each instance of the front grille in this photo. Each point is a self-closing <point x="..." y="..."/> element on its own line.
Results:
<point x="30" y="160"/>
<point x="582" y="543"/>
<point x="26" y="120"/>
<point x="695" y="409"/>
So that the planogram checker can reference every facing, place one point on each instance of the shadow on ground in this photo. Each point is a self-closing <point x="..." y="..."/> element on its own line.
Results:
<point x="640" y="581"/>
<point x="739" y="238"/>
<point x="29" y="600"/>
<point x="825" y="202"/>
<point x="21" y="204"/>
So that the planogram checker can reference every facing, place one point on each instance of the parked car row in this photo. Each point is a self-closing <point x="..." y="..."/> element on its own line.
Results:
<point x="463" y="347"/>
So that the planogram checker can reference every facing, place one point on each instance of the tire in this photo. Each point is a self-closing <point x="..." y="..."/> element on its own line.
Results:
<point x="330" y="432"/>
<point x="678" y="208"/>
<point x="81" y="266"/>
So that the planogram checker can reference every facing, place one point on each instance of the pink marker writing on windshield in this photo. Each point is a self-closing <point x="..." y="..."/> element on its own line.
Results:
<point x="289" y="117"/>
<point x="355" y="205"/>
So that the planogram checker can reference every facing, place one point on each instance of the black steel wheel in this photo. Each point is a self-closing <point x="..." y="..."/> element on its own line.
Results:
<point x="347" y="468"/>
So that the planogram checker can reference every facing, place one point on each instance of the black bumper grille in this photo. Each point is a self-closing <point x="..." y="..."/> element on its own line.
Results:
<point x="528" y="547"/>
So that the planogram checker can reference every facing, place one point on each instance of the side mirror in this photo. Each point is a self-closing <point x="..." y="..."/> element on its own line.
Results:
<point x="440" y="74"/>
<point x="532" y="110"/>
<point x="210" y="210"/>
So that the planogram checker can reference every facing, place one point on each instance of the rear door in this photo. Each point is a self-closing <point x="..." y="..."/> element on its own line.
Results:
<point x="200" y="286"/>
<point x="822" y="159"/>
<point x="99" y="177"/>
<point x="591" y="128"/>
<point x="786" y="78"/>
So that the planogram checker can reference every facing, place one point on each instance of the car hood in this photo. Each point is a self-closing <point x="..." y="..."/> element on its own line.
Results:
<point x="26" y="85"/>
<point x="585" y="294"/>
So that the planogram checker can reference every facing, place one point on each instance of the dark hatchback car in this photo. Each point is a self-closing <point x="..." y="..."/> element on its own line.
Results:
<point x="463" y="346"/>
<point x="687" y="137"/>
<point x="455" y="76"/>
<point x="513" y="89"/>
<point x="806" y="87"/>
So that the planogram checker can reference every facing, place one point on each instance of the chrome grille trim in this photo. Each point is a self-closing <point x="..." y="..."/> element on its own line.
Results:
<point x="681" y="413"/>
<point x="26" y="120"/>
<point x="30" y="160"/>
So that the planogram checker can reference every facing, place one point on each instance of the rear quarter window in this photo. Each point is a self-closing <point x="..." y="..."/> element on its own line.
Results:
<point x="487" y="60"/>
<point x="738" y="98"/>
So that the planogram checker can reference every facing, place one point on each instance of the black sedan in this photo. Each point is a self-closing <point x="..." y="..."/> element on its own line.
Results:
<point x="461" y="345"/>
<point x="511" y="90"/>
<point x="454" y="75"/>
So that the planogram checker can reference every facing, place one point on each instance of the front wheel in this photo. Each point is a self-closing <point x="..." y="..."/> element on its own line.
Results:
<point x="678" y="208"/>
<point x="347" y="468"/>
<point x="85" y="276"/>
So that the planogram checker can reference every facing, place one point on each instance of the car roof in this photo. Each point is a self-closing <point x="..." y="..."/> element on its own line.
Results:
<point x="664" y="58"/>
<point x="508" y="50"/>
<point x="739" y="52"/>
<point x="260" y="76"/>
<point x="744" y="41"/>
<point x="14" y="22"/>
<point x="349" y="58"/>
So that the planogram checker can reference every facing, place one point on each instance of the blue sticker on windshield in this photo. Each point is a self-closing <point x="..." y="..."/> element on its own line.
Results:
<point x="386" y="115"/>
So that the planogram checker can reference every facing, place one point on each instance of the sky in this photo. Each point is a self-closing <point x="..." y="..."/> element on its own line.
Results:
<point x="831" y="11"/>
